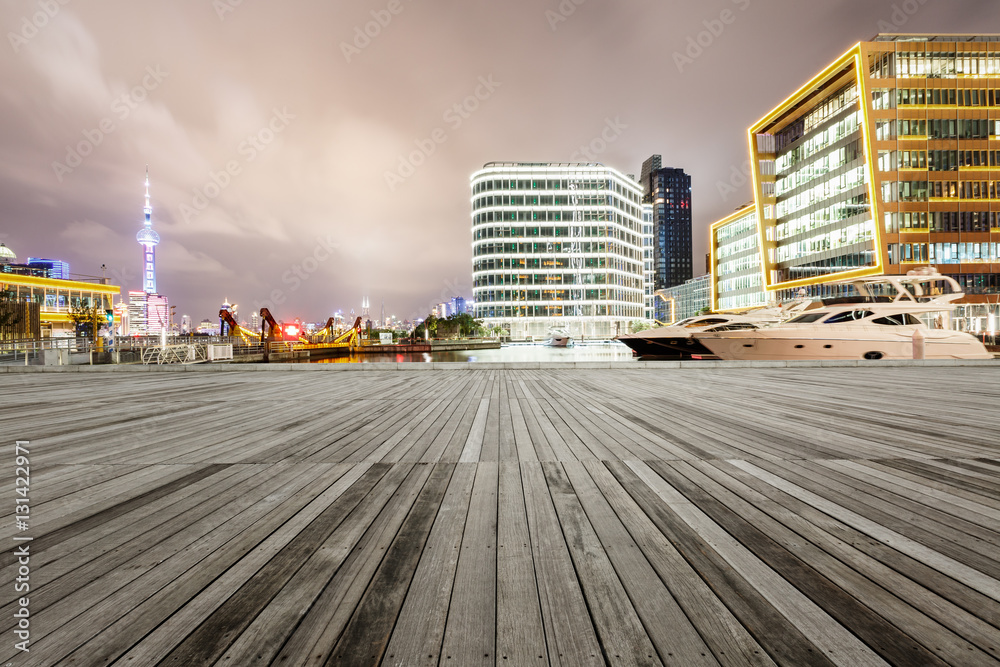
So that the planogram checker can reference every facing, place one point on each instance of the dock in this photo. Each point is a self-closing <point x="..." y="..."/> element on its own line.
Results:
<point x="625" y="515"/>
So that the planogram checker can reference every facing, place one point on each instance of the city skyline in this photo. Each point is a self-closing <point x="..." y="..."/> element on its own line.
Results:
<point x="332" y="163"/>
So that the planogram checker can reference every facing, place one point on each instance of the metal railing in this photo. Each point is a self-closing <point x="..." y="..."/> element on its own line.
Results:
<point x="118" y="350"/>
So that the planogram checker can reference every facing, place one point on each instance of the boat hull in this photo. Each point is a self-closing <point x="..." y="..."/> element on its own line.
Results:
<point x="675" y="347"/>
<point x="808" y="343"/>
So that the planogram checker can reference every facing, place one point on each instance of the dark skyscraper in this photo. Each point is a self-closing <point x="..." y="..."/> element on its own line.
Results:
<point x="668" y="191"/>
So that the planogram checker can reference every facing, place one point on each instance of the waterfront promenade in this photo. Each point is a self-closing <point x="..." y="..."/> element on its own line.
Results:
<point x="507" y="516"/>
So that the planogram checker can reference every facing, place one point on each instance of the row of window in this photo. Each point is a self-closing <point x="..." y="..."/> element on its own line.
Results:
<point x="740" y="301"/>
<point x="740" y="245"/>
<point x="934" y="65"/>
<point x="582" y="310"/>
<point x="831" y="187"/>
<point x="940" y="128"/>
<point x="516" y="295"/>
<point x="825" y="163"/>
<point x="883" y="98"/>
<point x="749" y="263"/>
<point x="942" y="253"/>
<point x="553" y="263"/>
<point x="749" y="281"/>
<point x="832" y="240"/>
<point x="551" y="279"/>
<point x="942" y="221"/>
<point x="583" y="199"/>
<point x="610" y="252"/>
<point x="824" y="267"/>
<point x="577" y="216"/>
<point x="589" y="231"/>
<point x="736" y="228"/>
<point x="948" y="160"/>
<point x="846" y="126"/>
<point x="978" y="283"/>
<point x="579" y="184"/>
<point x="925" y="190"/>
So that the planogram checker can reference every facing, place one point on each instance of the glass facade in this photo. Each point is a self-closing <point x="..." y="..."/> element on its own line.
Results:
<point x="557" y="246"/>
<point x="668" y="192"/>
<point x="887" y="160"/>
<point x="738" y="282"/>
<point x="686" y="300"/>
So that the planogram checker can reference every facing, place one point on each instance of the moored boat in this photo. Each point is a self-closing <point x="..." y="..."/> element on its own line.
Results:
<point x="891" y="317"/>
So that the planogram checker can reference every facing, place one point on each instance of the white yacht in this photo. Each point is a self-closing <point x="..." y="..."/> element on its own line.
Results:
<point x="888" y="319"/>
<point x="559" y="338"/>
<point x="678" y="341"/>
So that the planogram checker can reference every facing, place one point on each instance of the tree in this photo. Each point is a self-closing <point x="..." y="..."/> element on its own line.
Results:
<point x="467" y="325"/>
<point x="428" y="325"/>
<point x="88" y="316"/>
<point x="9" y="316"/>
<point x="638" y="325"/>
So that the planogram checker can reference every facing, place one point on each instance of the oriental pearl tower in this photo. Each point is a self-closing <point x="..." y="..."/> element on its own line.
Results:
<point x="148" y="239"/>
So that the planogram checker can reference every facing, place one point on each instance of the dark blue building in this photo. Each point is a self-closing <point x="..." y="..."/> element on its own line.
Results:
<point x="668" y="191"/>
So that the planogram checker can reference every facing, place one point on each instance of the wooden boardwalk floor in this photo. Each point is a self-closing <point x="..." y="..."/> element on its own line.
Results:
<point x="807" y="516"/>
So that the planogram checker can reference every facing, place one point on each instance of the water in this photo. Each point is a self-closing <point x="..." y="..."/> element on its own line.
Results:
<point x="611" y="351"/>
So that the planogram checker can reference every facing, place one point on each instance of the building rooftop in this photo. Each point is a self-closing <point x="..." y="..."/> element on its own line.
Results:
<point x="921" y="37"/>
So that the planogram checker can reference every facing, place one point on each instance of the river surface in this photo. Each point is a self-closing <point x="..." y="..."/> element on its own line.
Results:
<point x="515" y="352"/>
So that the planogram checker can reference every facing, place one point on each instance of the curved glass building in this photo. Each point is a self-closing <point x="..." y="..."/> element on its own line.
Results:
<point x="557" y="246"/>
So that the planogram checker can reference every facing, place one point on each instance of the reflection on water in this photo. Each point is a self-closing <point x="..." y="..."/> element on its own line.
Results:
<point x="612" y="351"/>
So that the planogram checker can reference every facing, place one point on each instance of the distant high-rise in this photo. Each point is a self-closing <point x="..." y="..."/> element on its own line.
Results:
<point x="148" y="310"/>
<point x="668" y="191"/>
<point x="557" y="245"/>
<point x="148" y="239"/>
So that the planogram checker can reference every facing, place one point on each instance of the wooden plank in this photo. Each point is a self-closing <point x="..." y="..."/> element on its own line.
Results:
<point x="569" y="632"/>
<point x="665" y="623"/>
<point x="885" y="638"/>
<point x="470" y="634"/>
<point x="419" y="630"/>
<point x="367" y="634"/>
<point x="520" y="638"/>
<point x="929" y="619"/>
<point x="313" y="640"/>
<point x="212" y="637"/>
<point x="153" y="626"/>
<point x="958" y="571"/>
<point x="783" y="640"/>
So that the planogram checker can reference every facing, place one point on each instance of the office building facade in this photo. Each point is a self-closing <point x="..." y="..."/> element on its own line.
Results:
<point x="668" y="192"/>
<point x="885" y="161"/>
<point x="735" y="263"/>
<point x="557" y="245"/>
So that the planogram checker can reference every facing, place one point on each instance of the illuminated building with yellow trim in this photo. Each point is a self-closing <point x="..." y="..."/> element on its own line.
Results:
<point x="737" y="282"/>
<point x="888" y="159"/>
<point x="57" y="298"/>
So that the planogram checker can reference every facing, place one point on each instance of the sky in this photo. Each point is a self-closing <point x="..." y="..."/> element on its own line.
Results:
<point x="307" y="154"/>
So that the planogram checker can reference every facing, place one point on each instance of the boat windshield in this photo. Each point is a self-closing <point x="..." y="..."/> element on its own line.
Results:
<point x="808" y="317"/>
<point x="897" y="320"/>
<point x="848" y="316"/>
<point x="707" y="321"/>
